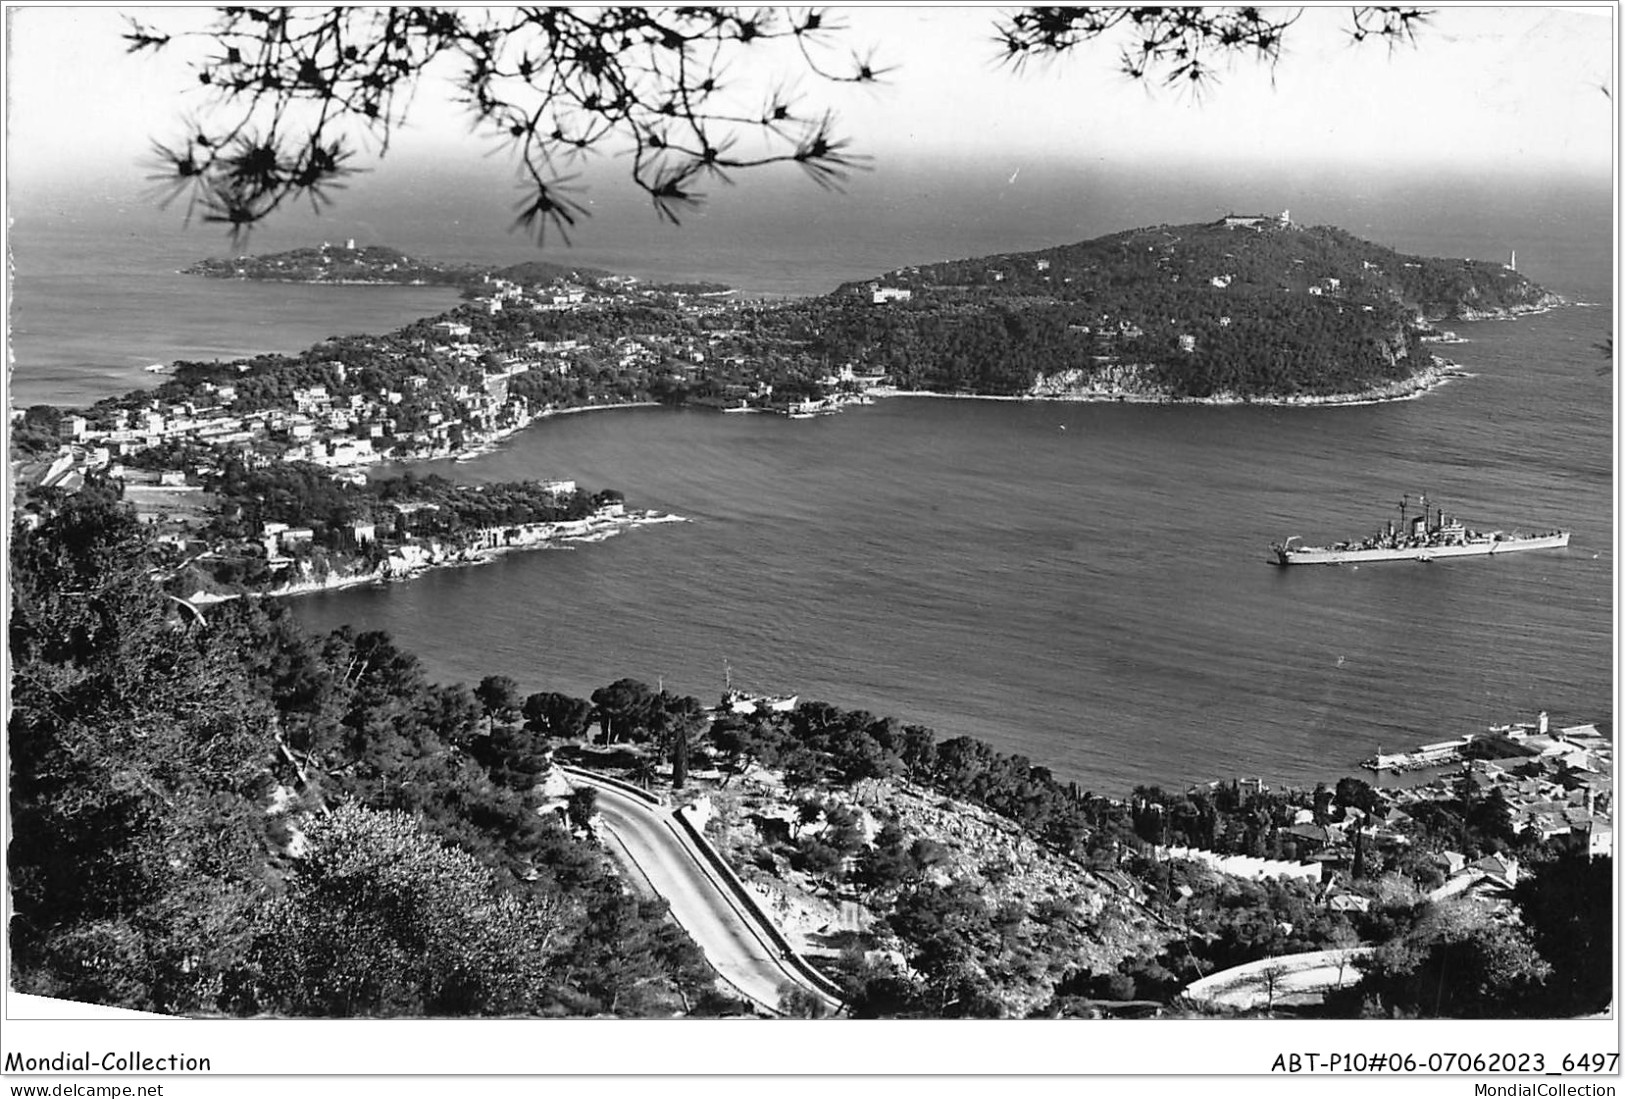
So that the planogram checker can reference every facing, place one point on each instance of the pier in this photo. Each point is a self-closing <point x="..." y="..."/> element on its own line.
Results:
<point x="1518" y="739"/>
<point x="1428" y="755"/>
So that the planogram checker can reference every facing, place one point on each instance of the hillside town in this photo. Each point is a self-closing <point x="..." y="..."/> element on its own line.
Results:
<point x="1543" y="782"/>
<point x="450" y="386"/>
<point x="1162" y="891"/>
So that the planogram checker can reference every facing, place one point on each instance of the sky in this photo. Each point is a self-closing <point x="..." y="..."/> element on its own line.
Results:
<point x="1483" y="90"/>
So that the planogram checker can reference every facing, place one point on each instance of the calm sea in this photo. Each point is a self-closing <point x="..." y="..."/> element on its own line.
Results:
<point x="1084" y="584"/>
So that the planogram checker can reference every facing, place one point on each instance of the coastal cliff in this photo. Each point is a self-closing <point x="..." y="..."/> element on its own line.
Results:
<point x="1131" y="384"/>
<point x="1468" y="312"/>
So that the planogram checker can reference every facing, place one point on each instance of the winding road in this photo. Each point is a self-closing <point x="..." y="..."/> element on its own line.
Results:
<point x="747" y="952"/>
<point x="1261" y="983"/>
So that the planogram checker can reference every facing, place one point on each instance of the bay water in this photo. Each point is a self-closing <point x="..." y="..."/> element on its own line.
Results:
<point x="1082" y="583"/>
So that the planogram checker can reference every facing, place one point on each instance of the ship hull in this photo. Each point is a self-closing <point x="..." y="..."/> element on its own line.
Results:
<point x="1311" y="555"/>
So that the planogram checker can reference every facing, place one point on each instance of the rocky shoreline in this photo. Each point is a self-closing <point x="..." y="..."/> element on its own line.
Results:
<point x="1546" y="304"/>
<point x="1438" y="373"/>
<point x="409" y="562"/>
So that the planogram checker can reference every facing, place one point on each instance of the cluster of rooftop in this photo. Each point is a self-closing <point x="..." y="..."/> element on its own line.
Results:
<point x="1554" y="785"/>
<point x="453" y="384"/>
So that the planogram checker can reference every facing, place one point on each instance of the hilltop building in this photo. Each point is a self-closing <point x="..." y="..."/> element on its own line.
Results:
<point x="1260" y="222"/>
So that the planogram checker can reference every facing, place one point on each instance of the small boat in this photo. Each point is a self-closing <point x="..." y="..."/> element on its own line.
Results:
<point x="806" y="410"/>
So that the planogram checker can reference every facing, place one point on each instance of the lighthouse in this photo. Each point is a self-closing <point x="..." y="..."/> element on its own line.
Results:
<point x="1512" y="260"/>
